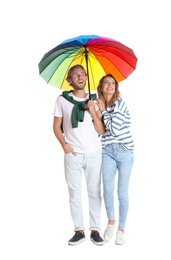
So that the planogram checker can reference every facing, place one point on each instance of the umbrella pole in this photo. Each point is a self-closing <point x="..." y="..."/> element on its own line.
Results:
<point x="86" y="57"/>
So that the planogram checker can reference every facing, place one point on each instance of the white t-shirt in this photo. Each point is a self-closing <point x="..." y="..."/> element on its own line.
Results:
<point x="84" y="138"/>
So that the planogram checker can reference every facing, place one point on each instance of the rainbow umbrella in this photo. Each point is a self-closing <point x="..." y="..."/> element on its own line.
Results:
<point x="99" y="56"/>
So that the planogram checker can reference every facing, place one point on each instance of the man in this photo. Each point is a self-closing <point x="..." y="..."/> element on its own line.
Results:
<point x="78" y="127"/>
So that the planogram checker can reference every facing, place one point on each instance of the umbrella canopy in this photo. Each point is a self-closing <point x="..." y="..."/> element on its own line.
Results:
<point x="99" y="56"/>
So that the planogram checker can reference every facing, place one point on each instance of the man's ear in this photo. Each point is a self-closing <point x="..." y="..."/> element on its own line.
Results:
<point x="70" y="82"/>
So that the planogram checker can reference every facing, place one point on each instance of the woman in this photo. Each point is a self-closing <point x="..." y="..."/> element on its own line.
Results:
<point x="117" y="154"/>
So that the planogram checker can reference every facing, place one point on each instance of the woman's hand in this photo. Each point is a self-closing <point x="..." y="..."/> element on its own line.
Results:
<point x="100" y="104"/>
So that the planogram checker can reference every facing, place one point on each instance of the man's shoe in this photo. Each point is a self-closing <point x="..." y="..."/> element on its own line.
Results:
<point x="96" y="238"/>
<point x="108" y="234"/>
<point x="119" y="238"/>
<point x="77" y="238"/>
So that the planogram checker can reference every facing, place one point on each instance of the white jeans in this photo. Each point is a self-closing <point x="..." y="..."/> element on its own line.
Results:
<point x="88" y="164"/>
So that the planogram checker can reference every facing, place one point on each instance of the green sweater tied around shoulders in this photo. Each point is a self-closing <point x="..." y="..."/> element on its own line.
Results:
<point x="78" y="109"/>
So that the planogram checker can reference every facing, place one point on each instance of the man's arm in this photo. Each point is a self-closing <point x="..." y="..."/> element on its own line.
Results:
<point x="98" y="123"/>
<point x="57" y="122"/>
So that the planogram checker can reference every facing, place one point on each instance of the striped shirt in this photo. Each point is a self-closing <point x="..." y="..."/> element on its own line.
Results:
<point x="117" y="123"/>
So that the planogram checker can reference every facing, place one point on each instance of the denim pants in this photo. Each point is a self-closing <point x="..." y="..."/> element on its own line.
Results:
<point x="115" y="158"/>
<point x="89" y="165"/>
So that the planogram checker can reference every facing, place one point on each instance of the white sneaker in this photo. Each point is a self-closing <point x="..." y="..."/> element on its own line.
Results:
<point x="119" y="238"/>
<point x="108" y="234"/>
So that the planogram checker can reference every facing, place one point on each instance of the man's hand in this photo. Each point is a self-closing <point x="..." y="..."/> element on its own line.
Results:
<point x="91" y="107"/>
<point x="68" y="149"/>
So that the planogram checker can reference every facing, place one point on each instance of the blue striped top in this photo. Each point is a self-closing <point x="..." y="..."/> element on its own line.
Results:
<point x="118" y="123"/>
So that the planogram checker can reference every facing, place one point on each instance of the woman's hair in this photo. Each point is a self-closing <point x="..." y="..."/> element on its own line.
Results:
<point x="115" y="96"/>
<point x="71" y="70"/>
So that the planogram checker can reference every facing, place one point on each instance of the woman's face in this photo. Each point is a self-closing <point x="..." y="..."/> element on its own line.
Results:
<point x="108" y="86"/>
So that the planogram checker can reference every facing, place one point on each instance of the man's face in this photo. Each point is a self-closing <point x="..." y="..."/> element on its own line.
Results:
<point x="78" y="78"/>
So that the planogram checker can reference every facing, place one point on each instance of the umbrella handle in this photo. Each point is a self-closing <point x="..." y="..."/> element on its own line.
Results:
<point x="86" y="58"/>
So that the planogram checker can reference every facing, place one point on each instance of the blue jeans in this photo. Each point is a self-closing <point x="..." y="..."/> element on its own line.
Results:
<point x="88" y="164"/>
<point x="116" y="158"/>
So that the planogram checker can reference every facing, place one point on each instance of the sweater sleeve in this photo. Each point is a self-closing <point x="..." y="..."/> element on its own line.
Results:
<point x="117" y="120"/>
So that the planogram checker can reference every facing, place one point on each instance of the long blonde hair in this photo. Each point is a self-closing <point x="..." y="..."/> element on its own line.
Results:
<point x="115" y="96"/>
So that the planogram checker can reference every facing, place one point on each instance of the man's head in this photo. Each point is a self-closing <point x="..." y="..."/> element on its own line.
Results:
<point x="77" y="77"/>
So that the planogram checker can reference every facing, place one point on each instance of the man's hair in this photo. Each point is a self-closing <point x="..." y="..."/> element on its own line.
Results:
<point x="71" y="70"/>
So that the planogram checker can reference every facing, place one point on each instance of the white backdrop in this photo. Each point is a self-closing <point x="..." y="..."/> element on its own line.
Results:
<point x="35" y="220"/>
